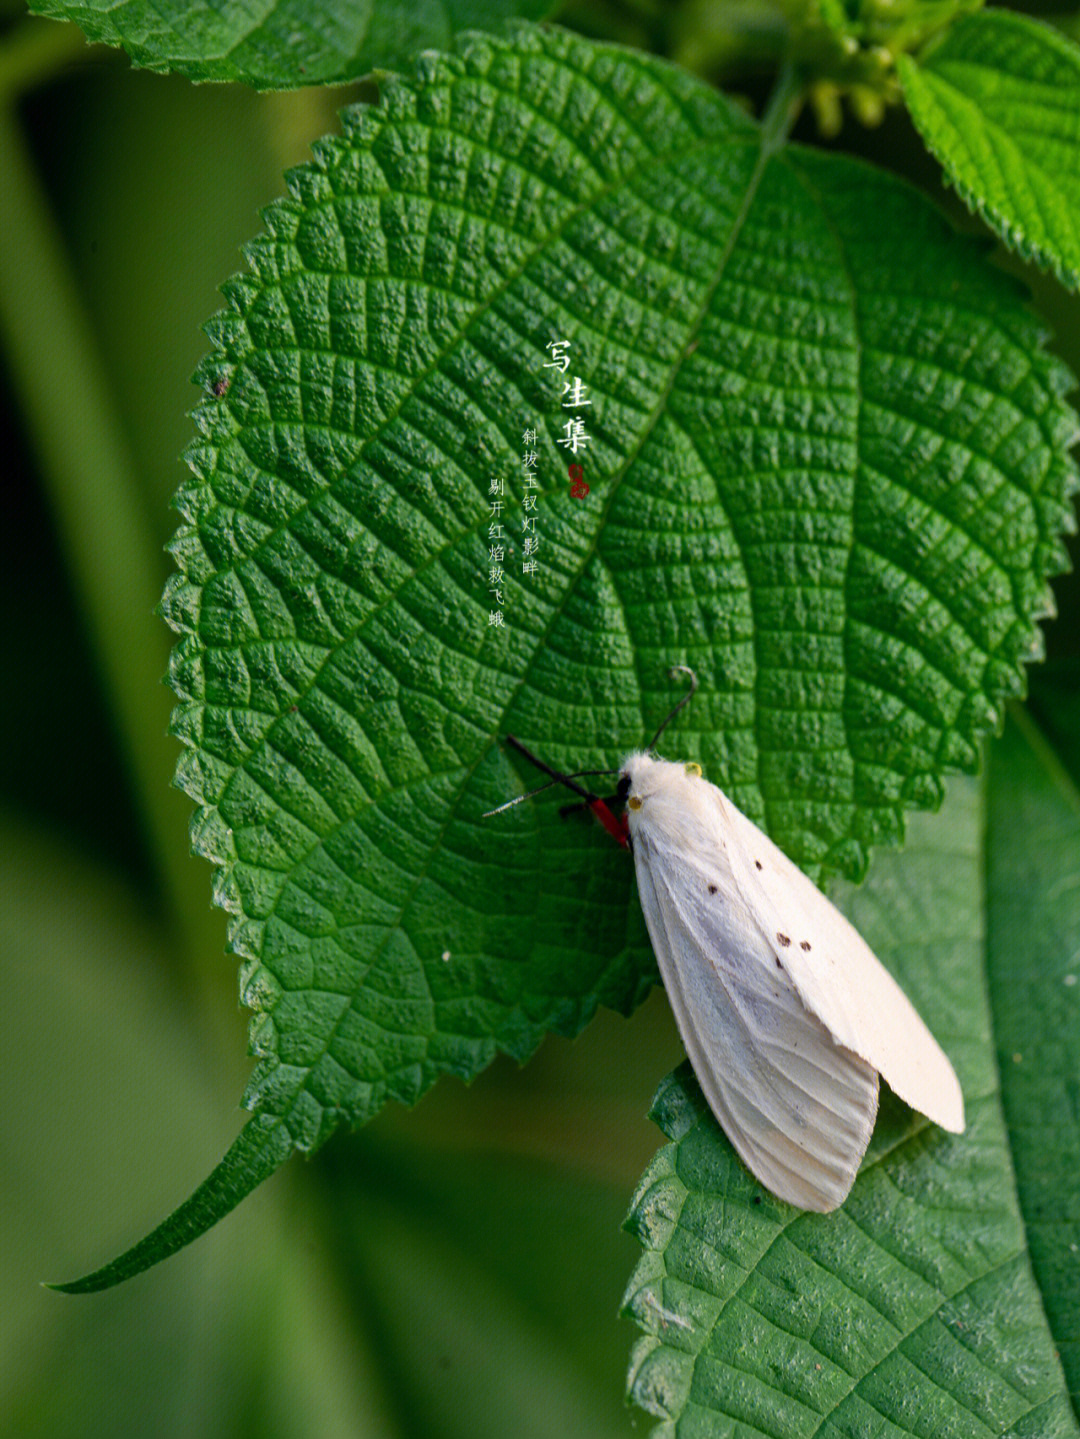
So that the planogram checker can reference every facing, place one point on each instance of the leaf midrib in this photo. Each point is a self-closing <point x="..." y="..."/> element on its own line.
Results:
<point x="481" y="310"/>
<point x="616" y="480"/>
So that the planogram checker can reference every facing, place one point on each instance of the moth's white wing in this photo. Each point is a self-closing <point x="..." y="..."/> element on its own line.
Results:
<point x="798" y="1107"/>
<point x="838" y="976"/>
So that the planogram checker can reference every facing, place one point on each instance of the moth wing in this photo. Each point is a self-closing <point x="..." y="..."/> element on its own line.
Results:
<point x="838" y="977"/>
<point x="798" y="1108"/>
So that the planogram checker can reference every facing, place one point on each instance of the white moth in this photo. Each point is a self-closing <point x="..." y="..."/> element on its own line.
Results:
<point x="787" y="1015"/>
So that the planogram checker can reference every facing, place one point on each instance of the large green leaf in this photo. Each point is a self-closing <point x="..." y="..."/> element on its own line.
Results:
<point x="281" y="44"/>
<point x="827" y="469"/>
<point x="1033" y="970"/>
<point x="913" y="1309"/>
<point x="998" y="102"/>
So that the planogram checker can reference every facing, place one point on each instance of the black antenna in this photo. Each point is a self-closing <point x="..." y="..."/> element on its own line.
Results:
<point x="569" y="779"/>
<point x="687" y="697"/>
<point x="562" y="779"/>
<point x="556" y="778"/>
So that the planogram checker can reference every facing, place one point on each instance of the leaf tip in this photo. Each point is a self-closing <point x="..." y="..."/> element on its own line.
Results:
<point x="258" y="1150"/>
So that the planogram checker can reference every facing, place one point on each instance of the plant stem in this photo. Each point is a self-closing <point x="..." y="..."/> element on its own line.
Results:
<point x="783" y="107"/>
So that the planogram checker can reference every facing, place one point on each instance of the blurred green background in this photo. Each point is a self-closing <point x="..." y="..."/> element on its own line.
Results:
<point x="454" y="1271"/>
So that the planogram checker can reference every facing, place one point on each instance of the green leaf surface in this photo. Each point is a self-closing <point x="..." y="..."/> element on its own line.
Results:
<point x="1033" y="971"/>
<point x="998" y="103"/>
<point x="827" y="469"/>
<point x="282" y="44"/>
<point x="912" y="1310"/>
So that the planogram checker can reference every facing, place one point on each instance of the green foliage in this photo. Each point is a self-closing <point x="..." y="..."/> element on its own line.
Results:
<point x="287" y="44"/>
<point x="260" y="1147"/>
<point x="1033" y="973"/>
<point x="451" y="1273"/>
<point x="827" y="469"/>
<point x="912" y="1310"/>
<point x="851" y="46"/>
<point x="998" y="102"/>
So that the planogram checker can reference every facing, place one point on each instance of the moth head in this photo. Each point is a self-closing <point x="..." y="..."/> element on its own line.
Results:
<point x="641" y="776"/>
<point x="633" y="774"/>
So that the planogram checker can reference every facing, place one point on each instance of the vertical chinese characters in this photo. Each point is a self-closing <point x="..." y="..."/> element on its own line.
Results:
<point x="496" y="549"/>
<point x="531" y="539"/>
